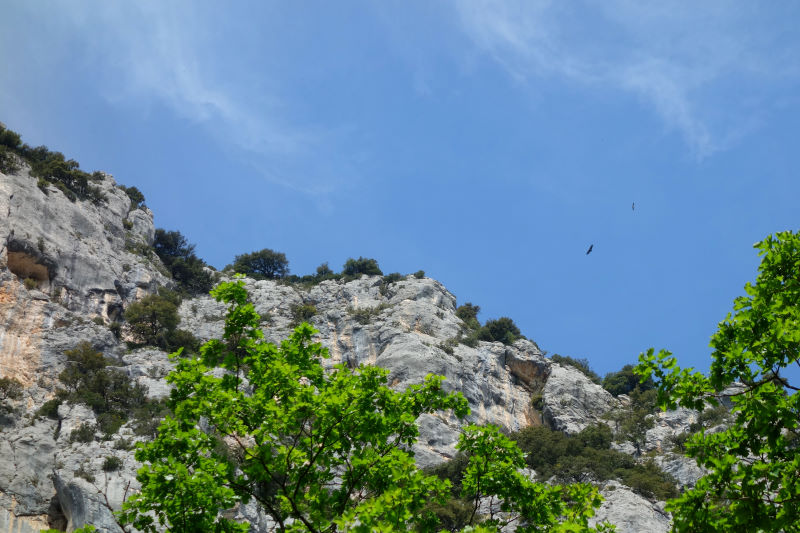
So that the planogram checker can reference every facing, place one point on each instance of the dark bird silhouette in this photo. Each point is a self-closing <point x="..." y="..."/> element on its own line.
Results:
<point x="590" y="249"/>
<point x="633" y="206"/>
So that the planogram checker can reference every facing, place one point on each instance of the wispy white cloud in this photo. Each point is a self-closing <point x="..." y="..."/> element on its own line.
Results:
<point x="173" y="53"/>
<point x="671" y="55"/>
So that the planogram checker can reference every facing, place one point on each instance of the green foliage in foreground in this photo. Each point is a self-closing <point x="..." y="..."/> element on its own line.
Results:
<point x="318" y="451"/>
<point x="753" y="482"/>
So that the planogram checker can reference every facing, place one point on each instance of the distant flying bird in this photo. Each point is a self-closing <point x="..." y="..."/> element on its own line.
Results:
<point x="590" y="249"/>
<point x="633" y="206"/>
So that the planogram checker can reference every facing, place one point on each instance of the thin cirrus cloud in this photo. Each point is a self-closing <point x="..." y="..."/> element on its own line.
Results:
<point x="673" y="56"/>
<point x="171" y="53"/>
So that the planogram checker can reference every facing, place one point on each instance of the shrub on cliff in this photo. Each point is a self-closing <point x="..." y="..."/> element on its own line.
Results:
<point x="178" y="256"/>
<point x="136" y="196"/>
<point x="110" y="392"/>
<point x="10" y="389"/>
<point x="501" y="330"/>
<point x="263" y="264"/>
<point x="51" y="167"/>
<point x="360" y="266"/>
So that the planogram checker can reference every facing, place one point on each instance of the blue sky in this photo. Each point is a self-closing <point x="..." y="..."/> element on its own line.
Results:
<point x="487" y="143"/>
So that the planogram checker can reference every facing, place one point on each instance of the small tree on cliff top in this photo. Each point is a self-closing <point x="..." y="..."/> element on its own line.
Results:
<point x="263" y="264"/>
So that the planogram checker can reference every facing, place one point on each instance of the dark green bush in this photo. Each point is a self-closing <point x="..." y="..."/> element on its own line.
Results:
<point x="50" y="408"/>
<point x="580" y="364"/>
<point x="393" y="277"/>
<point x="147" y="417"/>
<point x="8" y="163"/>
<point x="302" y="313"/>
<point x="112" y="463"/>
<point x="136" y="196"/>
<point x="54" y="168"/>
<point x="263" y="264"/>
<point x="586" y="457"/>
<point x="468" y="313"/>
<point x="10" y="389"/>
<point x="83" y="433"/>
<point x="624" y="381"/>
<point x="650" y="481"/>
<point x="501" y="330"/>
<point x="324" y="270"/>
<point x="365" y="315"/>
<point x="184" y="266"/>
<point x="362" y="265"/>
<point x="85" y="474"/>
<point x="89" y="380"/>
<point x="152" y="320"/>
<point x="419" y="274"/>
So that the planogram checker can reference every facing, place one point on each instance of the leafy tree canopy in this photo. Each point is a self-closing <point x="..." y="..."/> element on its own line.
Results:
<point x="362" y="265"/>
<point x="469" y="314"/>
<point x="136" y="196"/>
<point x="501" y="330"/>
<point x="753" y="482"/>
<point x="625" y="380"/>
<point x="263" y="264"/>
<point x="178" y="256"/>
<point x="10" y="389"/>
<point x="319" y="451"/>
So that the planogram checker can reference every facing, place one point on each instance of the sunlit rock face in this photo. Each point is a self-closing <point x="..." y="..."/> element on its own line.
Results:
<point x="90" y="257"/>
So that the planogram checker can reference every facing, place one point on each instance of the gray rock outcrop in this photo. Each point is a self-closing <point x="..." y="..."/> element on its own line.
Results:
<point x="572" y="401"/>
<point x="629" y="512"/>
<point x="91" y="257"/>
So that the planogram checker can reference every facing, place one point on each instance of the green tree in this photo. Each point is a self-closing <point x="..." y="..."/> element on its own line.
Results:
<point x="362" y="265"/>
<point x="625" y="380"/>
<point x="324" y="270"/>
<point x="753" y="482"/>
<point x="10" y="389"/>
<point x="110" y="392"/>
<point x="501" y="330"/>
<point x="152" y="320"/>
<point x="179" y="257"/>
<point x="136" y="196"/>
<point x="468" y="313"/>
<point x="318" y="451"/>
<point x="263" y="264"/>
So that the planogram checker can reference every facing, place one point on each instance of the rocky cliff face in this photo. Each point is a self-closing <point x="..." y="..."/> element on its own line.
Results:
<point x="68" y="269"/>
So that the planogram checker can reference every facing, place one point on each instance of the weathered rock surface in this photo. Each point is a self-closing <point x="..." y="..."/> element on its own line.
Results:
<point x="410" y="319"/>
<point x="630" y="512"/>
<point x="572" y="401"/>
<point x="85" y="255"/>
